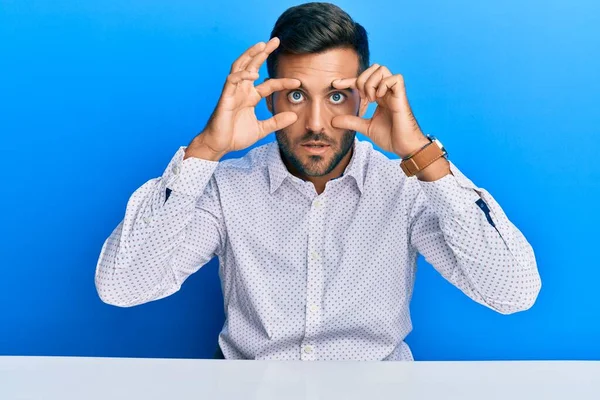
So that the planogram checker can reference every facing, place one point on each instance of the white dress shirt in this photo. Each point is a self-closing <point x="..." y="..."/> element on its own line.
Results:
<point x="307" y="276"/>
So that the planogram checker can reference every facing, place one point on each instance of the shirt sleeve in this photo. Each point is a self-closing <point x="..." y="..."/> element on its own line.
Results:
<point x="463" y="232"/>
<point x="162" y="238"/>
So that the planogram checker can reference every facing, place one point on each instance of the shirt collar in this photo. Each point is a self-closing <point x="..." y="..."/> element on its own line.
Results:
<point x="278" y="172"/>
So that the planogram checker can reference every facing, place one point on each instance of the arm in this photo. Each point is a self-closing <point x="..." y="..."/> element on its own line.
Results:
<point x="462" y="231"/>
<point x="161" y="241"/>
<point x="168" y="235"/>
<point x="481" y="252"/>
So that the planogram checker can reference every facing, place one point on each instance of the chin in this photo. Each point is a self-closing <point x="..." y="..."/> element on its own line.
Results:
<point x="315" y="166"/>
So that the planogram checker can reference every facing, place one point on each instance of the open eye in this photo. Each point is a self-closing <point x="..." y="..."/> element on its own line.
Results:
<point x="295" y="97"/>
<point x="337" y="98"/>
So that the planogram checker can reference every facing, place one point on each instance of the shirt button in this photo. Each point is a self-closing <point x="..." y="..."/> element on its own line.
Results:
<point x="146" y="220"/>
<point x="308" y="349"/>
<point x="318" y="204"/>
<point x="176" y="169"/>
<point x="314" y="255"/>
<point x="313" y="308"/>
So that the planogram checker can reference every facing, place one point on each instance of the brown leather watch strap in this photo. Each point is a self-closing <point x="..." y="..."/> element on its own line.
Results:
<point x="422" y="159"/>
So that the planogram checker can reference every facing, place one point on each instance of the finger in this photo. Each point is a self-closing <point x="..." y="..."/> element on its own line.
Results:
<point x="382" y="89"/>
<point x="276" y="122"/>
<point x="275" y="85"/>
<point x="351" y="83"/>
<point x="362" y="78"/>
<point x="374" y="82"/>
<point x="395" y="83"/>
<point x="233" y="80"/>
<point x="241" y="63"/>
<point x="260" y="58"/>
<point x="346" y="83"/>
<point x="352" y="123"/>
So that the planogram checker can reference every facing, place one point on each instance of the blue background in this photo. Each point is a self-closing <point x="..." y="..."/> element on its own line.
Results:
<point x="96" y="97"/>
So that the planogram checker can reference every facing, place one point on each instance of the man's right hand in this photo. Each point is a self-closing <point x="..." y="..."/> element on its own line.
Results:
<point x="233" y="124"/>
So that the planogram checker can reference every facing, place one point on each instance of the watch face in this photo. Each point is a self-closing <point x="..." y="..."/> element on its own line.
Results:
<point x="437" y="143"/>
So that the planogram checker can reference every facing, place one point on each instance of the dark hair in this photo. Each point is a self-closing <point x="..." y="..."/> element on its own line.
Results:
<point x="315" y="28"/>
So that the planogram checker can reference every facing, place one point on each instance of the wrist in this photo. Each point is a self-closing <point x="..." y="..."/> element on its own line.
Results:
<point x="199" y="149"/>
<point x="427" y="162"/>
<point x="414" y="147"/>
<point x="434" y="171"/>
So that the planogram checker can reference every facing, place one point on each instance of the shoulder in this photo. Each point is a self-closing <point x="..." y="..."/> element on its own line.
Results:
<point x="251" y="163"/>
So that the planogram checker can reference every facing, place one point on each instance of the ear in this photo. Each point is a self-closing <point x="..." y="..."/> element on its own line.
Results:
<point x="362" y="108"/>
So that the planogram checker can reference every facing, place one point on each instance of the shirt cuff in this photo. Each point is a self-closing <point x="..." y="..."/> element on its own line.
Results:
<point x="451" y="194"/>
<point x="189" y="176"/>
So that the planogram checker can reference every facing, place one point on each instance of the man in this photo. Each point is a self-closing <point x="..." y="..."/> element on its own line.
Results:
<point x="317" y="233"/>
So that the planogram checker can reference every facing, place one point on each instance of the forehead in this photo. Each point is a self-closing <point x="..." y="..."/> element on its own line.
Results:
<point x="317" y="71"/>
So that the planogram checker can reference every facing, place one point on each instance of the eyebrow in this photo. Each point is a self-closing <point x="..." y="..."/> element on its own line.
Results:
<point x="329" y="89"/>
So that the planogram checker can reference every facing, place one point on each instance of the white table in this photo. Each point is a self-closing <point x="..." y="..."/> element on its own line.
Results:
<point x="80" y="378"/>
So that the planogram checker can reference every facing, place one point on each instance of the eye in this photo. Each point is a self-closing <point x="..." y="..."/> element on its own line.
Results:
<point x="337" y="98"/>
<point x="295" y="97"/>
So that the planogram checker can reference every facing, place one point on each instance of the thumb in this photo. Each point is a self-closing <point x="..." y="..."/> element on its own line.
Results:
<point x="276" y="122"/>
<point x="351" y="122"/>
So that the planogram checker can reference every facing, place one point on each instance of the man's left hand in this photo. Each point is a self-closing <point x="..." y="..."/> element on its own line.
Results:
<point x="393" y="127"/>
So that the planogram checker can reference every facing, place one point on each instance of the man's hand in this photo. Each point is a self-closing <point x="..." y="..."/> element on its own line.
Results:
<point x="393" y="126"/>
<point x="233" y="124"/>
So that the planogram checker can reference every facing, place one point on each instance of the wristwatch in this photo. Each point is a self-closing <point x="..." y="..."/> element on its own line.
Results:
<point x="422" y="158"/>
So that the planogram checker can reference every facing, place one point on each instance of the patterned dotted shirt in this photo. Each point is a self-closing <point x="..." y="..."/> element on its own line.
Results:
<point x="308" y="276"/>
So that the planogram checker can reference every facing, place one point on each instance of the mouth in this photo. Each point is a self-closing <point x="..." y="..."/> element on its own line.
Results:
<point x="316" y="148"/>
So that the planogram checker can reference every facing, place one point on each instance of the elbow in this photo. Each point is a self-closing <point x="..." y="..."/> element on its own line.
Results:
<point x="529" y="299"/>
<point x="526" y="291"/>
<point x="114" y="301"/>
<point x="110" y="295"/>
<point x="523" y="304"/>
<point x="523" y="300"/>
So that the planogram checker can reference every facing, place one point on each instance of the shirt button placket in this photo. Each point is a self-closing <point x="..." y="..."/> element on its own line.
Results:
<point x="315" y="278"/>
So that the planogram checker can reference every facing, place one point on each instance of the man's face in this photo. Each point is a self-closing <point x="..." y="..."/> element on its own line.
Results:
<point x="316" y="102"/>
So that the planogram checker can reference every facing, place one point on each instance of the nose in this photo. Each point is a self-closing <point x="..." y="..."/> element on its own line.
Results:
<point x="314" y="117"/>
